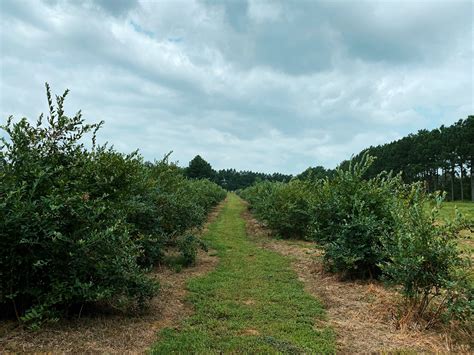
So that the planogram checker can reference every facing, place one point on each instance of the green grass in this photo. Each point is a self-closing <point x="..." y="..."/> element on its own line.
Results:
<point x="466" y="208"/>
<point x="252" y="302"/>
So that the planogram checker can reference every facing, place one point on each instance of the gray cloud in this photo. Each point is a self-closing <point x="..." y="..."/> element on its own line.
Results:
<point x="117" y="7"/>
<point x="262" y="85"/>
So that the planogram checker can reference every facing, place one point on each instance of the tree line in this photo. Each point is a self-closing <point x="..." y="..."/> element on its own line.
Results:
<point x="442" y="158"/>
<point x="229" y="179"/>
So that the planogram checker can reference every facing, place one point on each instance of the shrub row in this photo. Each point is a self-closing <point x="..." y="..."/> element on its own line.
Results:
<point x="376" y="227"/>
<point x="82" y="225"/>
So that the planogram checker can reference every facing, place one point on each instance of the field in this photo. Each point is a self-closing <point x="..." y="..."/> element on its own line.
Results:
<point x="264" y="295"/>
<point x="236" y="177"/>
<point x="101" y="251"/>
<point x="466" y="209"/>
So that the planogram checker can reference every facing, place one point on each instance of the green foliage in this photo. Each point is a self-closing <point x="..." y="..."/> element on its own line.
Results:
<point x="424" y="258"/>
<point x="200" y="169"/>
<point x="347" y="214"/>
<point x="188" y="246"/>
<point x="207" y="194"/>
<point x="64" y="237"/>
<point x="259" y="196"/>
<point x="80" y="225"/>
<point x="233" y="180"/>
<point x="316" y="173"/>
<point x="284" y="207"/>
<point x="374" y="226"/>
<point x="289" y="214"/>
<point x="351" y="215"/>
<point x="442" y="158"/>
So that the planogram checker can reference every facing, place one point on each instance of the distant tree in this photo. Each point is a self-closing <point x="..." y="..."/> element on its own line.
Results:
<point x="468" y="149"/>
<point x="200" y="169"/>
<point x="317" y="172"/>
<point x="232" y="179"/>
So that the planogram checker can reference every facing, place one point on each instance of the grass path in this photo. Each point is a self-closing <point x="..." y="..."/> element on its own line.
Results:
<point x="252" y="302"/>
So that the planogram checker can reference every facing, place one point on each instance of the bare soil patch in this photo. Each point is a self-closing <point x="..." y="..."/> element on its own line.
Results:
<point x="115" y="333"/>
<point x="362" y="313"/>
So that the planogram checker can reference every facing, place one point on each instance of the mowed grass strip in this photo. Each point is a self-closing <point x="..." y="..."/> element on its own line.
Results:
<point x="252" y="302"/>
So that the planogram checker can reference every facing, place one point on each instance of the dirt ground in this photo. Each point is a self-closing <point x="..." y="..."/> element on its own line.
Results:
<point x="363" y="314"/>
<point x="114" y="333"/>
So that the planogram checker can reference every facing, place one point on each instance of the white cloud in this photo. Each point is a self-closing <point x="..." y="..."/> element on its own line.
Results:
<point x="262" y="10"/>
<point x="263" y="86"/>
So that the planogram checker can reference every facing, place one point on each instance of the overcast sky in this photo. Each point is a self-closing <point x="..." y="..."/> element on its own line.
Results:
<point x="255" y="85"/>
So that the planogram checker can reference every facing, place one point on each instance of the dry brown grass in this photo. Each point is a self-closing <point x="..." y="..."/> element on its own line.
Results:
<point x="364" y="314"/>
<point x="114" y="332"/>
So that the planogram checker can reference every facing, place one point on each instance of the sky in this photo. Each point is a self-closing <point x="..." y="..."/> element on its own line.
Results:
<point x="269" y="86"/>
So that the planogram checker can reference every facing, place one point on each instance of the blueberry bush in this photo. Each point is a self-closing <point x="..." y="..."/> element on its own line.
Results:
<point x="81" y="223"/>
